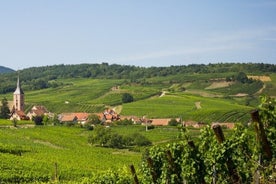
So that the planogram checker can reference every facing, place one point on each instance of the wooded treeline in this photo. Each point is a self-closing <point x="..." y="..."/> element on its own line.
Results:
<point x="44" y="77"/>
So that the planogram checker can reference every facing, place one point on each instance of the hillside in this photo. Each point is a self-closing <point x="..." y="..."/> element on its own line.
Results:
<point x="45" y="77"/>
<point x="222" y="93"/>
<point x="5" y="70"/>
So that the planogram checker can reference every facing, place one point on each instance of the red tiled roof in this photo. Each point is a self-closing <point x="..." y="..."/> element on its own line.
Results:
<point x="67" y="117"/>
<point x="160" y="122"/>
<point x="81" y="115"/>
<point x="38" y="110"/>
<point x="20" y="113"/>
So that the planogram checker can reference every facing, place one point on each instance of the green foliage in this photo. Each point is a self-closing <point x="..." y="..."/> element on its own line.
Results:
<point x="104" y="137"/>
<point x="5" y="70"/>
<point x="47" y="76"/>
<point x="126" y="98"/>
<point x="123" y="122"/>
<point x="43" y="146"/>
<point x="173" y="122"/>
<point x="12" y="149"/>
<point x="137" y="139"/>
<point x="93" y="119"/>
<point x="267" y="113"/>
<point x="38" y="120"/>
<point x="202" y="162"/>
<point x="230" y="160"/>
<point x="183" y="105"/>
<point x="242" y="77"/>
<point x="5" y="111"/>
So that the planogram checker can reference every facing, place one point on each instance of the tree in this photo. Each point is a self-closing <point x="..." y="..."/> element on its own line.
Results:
<point x="93" y="119"/>
<point x="173" y="122"/>
<point x="5" y="111"/>
<point x="126" y="98"/>
<point x="38" y="120"/>
<point x="242" y="77"/>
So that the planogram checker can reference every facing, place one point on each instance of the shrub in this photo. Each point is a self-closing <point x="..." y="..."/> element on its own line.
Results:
<point x="173" y="122"/>
<point x="38" y="120"/>
<point x="140" y="140"/>
<point x="104" y="137"/>
<point x="126" y="98"/>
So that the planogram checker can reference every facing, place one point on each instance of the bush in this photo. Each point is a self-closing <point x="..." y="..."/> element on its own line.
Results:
<point x="115" y="141"/>
<point x="140" y="140"/>
<point x="93" y="119"/>
<point x="124" y="122"/>
<point x="38" y="120"/>
<point x="104" y="137"/>
<point x="126" y="98"/>
<point x="173" y="122"/>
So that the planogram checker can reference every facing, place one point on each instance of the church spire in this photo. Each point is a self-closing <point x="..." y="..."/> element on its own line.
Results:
<point x="18" y="90"/>
<point x="18" y="97"/>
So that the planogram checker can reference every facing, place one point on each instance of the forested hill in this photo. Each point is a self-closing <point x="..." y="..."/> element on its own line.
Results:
<point x="5" y="70"/>
<point x="43" y="77"/>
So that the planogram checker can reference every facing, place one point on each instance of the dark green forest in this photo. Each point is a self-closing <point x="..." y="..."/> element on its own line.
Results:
<point x="35" y="78"/>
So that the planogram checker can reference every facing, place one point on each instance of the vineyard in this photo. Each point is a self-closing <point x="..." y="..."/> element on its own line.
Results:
<point x="175" y="105"/>
<point x="47" y="154"/>
<point x="213" y="154"/>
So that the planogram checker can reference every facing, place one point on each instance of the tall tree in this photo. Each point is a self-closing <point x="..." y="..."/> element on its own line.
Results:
<point x="5" y="111"/>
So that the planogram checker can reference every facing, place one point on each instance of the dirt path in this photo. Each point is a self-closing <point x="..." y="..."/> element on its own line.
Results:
<point x="261" y="90"/>
<point x="46" y="143"/>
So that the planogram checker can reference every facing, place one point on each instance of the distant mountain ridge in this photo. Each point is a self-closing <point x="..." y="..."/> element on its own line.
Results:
<point x="5" y="70"/>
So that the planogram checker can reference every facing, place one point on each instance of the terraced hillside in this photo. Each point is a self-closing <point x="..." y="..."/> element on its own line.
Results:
<point x="223" y="96"/>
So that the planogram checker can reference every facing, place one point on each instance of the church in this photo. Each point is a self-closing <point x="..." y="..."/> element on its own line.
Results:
<point x="17" y="111"/>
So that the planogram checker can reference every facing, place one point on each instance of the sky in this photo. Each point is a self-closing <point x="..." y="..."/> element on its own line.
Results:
<point x="136" y="32"/>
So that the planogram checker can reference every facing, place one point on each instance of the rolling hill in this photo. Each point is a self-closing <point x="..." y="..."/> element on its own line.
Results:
<point x="5" y="70"/>
<point x="159" y="92"/>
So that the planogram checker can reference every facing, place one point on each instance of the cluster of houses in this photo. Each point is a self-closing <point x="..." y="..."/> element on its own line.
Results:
<point x="107" y="117"/>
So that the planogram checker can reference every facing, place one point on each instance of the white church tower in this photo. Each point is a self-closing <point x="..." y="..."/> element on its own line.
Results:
<point x="18" y="98"/>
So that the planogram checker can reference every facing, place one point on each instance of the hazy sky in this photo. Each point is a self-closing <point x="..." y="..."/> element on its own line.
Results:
<point x="136" y="32"/>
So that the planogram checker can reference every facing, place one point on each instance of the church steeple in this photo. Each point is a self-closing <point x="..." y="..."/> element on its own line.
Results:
<point x="18" y="90"/>
<point x="18" y="97"/>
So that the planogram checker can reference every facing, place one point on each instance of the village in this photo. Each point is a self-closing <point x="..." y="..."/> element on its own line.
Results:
<point x="107" y="117"/>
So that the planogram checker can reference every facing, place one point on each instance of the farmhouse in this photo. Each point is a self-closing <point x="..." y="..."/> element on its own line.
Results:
<point x="225" y="124"/>
<point x="38" y="111"/>
<point x="80" y="117"/>
<point x="19" y="115"/>
<point x="108" y="116"/>
<point x="67" y="118"/>
<point x="160" y="122"/>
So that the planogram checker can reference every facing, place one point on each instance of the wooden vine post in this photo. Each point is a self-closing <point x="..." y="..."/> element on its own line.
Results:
<point x="261" y="136"/>
<point x="133" y="172"/>
<point x="230" y="164"/>
<point x="152" y="170"/>
<point x="56" y="171"/>
<point x="173" y="166"/>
